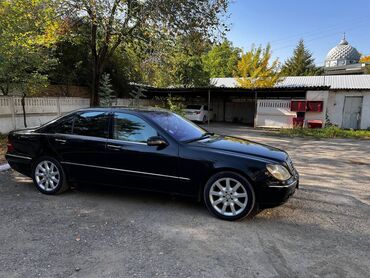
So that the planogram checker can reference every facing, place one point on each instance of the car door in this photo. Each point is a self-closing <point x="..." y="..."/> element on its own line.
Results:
<point x="79" y="142"/>
<point x="134" y="163"/>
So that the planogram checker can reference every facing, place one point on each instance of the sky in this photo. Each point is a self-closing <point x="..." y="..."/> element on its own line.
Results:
<point x="320" y="23"/>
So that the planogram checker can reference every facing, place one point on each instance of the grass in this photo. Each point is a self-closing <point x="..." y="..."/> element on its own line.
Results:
<point x="327" y="132"/>
<point x="3" y="141"/>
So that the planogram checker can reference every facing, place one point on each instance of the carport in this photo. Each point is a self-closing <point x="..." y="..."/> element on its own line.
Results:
<point x="236" y="105"/>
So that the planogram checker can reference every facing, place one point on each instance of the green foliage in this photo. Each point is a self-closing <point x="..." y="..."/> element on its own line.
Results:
<point x="72" y="52"/>
<point x="301" y="63"/>
<point x="175" y="63"/>
<point x="327" y="132"/>
<point x="113" y="23"/>
<point x="28" y="30"/>
<point x="222" y="60"/>
<point x="173" y="103"/>
<point x="255" y="70"/>
<point x="106" y="93"/>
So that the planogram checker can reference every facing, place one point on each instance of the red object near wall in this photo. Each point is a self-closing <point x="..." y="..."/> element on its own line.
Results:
<point x="298" y="106"/>
<point x="314" y="124"/>
<point x="298" y="122"/>
<point x="315" y="106"/>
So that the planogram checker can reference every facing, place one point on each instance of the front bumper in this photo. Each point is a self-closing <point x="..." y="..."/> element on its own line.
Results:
<point x="276" y="194"/>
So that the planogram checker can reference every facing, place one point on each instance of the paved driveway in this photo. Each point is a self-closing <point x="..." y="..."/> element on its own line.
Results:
<point x="323" y="231"/>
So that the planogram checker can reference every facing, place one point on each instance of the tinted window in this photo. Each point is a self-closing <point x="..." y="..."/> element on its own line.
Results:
<point x="131" y="128"/>
<point x="64" y="126"/>
<point x="91" y="124"/>
<point x="180" y="128"/>
<point x="195" y="107"/>
<point x="206" y="107"/>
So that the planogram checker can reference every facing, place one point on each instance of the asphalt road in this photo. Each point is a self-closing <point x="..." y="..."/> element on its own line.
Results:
<point x="323" y="231"/>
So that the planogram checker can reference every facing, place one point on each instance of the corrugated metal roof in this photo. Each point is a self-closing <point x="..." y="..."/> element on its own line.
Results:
<point x="335" y="82"/>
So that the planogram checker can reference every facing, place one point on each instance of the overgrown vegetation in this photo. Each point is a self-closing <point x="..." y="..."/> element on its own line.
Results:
<point x="328" y="132"/>
<point x="3" y="147"/>
<point x="172" y="103"/>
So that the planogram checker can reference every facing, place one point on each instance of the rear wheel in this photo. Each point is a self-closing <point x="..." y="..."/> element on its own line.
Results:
<point x="229" y="196"/>
<point x="48" y="176"/>
<point x="204" y="119"/>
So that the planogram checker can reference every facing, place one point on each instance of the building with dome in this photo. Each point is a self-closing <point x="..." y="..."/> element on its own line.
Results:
<point x="343" y="59"/>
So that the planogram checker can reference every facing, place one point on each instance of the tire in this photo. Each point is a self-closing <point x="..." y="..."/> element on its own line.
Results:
<point x="49" y="176"/>
<point x="226" y="200"/>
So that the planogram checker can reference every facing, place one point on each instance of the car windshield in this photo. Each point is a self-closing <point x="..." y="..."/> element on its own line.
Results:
<point x="195" y="107"/>
<point x="178" y="127"/>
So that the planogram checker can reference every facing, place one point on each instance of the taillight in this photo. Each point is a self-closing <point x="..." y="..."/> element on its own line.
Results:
<point x="10" y="147"/>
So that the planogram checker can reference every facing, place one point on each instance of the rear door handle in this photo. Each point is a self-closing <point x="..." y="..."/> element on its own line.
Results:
<point x="114" y="147"/>
<point x="61" y="141"/>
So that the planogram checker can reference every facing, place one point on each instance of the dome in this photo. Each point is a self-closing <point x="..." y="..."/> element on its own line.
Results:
<point x="343" y="54"/>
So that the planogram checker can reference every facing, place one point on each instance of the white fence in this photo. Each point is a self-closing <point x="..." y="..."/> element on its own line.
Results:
<point x="42" y="110"/>
<point x="274" y="113"/>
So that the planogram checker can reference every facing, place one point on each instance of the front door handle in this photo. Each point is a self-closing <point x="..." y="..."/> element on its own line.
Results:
<point x="61" y="141"/>
<point x="114" y="147"/>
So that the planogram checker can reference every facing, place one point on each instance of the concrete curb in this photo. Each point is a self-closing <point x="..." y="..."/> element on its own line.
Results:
<point x="4" y="167"/>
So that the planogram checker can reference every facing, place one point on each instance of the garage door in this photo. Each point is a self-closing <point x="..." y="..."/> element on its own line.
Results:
<point x="241" y="112"/>
<point x="352" y="112"/>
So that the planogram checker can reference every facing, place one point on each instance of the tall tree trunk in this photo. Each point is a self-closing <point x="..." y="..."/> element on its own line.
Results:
<point x="24" y="109"/>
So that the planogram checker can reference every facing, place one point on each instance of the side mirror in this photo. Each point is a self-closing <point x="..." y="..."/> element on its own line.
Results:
<point x="156" y="141"/>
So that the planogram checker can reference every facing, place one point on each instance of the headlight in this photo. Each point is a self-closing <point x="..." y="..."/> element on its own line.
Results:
<point x="278" y="171"/>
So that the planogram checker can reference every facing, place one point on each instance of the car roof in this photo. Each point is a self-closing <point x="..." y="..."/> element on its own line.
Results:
<point x="126" y="109"/>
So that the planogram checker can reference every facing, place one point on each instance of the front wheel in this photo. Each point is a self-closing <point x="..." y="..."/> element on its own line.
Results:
<point x="229" y="196"/>
<point x="48" y="176"/>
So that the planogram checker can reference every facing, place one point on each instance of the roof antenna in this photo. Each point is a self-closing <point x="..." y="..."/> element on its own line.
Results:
<point x="344" y="36"/>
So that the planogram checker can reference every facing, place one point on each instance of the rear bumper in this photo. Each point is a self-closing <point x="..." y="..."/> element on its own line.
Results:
<point x="277" y="194"/>
<point x="193" y="117"/>
<point x="20" y="163"/>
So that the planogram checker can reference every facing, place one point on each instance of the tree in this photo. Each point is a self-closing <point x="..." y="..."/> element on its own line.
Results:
<point x="255" y="70"/>
<point x="113" y="22"/>
<point x="178" y="62"/>
<point x="106" y="93"/>
<point x="222" y="60"/>
<point x="28" y="30"/>
<point x="365" y="59"/>
<point x="301" y="63"/>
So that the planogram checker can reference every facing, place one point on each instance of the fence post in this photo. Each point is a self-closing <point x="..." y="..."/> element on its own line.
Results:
<point x="58" y="107"/>
<point x="12" y="109"/>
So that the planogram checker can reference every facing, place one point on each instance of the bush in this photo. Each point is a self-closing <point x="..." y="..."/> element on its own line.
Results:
<point x="173" y="103"/>
<point x="327" y="132"/>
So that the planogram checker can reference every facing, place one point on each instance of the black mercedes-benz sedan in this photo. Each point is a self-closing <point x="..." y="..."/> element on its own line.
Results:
<point x="155" y="150"/>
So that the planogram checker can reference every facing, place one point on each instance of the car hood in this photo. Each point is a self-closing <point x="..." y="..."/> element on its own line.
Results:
<point x="241" y="146"/>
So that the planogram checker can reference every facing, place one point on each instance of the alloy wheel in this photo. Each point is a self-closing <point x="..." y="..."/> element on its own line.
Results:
<point x="47" y="175"/>
<point x="228" y="196"/>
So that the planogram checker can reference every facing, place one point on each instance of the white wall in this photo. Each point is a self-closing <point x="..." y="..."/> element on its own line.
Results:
<point x="38" y="110"/>
<point x="274" y="113"/>
<point x="317" y="96"/>
<point x="335" y="107"/>
<point x="43" y="110"/>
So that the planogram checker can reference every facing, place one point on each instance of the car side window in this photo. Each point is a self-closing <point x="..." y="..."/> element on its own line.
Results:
<point x="91" y="123"/>
<point x="127" y="127"/>
<point x="205" y="107"/>
<point x="64" y="127"/>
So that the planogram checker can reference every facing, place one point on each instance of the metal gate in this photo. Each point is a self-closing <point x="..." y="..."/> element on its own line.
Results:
<point x="352" y="112"/>
<point x="274" y="113"/>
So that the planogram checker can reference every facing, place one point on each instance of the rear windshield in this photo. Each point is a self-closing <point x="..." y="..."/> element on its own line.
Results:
<point x="195" y="107"/>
